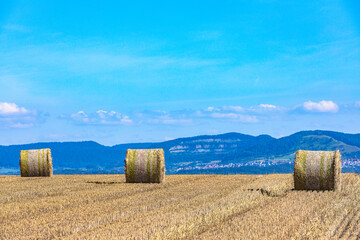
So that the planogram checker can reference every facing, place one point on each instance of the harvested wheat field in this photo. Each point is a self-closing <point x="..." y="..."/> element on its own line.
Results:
<point x="184" y="207"/>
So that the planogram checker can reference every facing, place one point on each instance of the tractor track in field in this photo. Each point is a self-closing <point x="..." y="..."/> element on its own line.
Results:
<point x="349" y="227"/>
<point x="341" y="226"/>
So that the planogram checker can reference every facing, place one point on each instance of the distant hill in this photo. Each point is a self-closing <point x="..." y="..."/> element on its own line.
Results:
<point x="224" y="153"/>
<point x="348" y="144"/>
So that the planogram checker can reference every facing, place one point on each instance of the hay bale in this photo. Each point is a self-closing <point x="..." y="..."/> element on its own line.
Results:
<point x="145" y="166"/>
<point x="36" y="163"/>
<point x="317" y="170"/>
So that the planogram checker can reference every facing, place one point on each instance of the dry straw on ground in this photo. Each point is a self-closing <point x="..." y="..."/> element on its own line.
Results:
<point x="145" y="166"/>
<point x="36" y="163"/>
<point x="317" y="170"/>
<point x="184" y="207"/>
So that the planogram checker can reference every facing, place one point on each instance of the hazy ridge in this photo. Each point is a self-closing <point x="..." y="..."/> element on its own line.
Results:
<point x="224" y="153"/>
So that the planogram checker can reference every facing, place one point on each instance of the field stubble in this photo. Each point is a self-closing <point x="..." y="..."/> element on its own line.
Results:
<point x="197" y="206"/>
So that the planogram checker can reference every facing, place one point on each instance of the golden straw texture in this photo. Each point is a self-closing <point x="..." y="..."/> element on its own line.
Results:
<point x="145" y="166"/>
<point x="36" y="163"/>
<point x="317" y="170"/>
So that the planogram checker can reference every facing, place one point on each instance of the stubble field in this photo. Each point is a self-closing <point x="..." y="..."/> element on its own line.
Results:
<point x="184" y="207"/>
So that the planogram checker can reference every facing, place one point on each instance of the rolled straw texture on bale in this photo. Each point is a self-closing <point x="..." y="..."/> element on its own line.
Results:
<point x="317" y="170"/>
<point x="145" y="166"/>
<point x="36" y="163"/>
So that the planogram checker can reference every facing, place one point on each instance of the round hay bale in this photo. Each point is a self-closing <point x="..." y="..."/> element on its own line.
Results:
<point x="145" y="166"/>
<point x="317" y="170"/>
<point x="36" y="163"/>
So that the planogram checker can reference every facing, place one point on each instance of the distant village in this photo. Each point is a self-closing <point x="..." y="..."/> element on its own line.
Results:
<point x="345" y="163"/>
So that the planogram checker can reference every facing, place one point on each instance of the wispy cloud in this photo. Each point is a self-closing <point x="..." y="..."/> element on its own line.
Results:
<point x="230" y="113"/>
<point x="211" y="109"/>
<point x="100" y="117"/>
<point x="16" y="28"/>
<point x="237" y="117"/>
<point x="167" y="120"/>
<point x="87" y="61"/>
<point x="293" y="72"/>
<point x="233" y="108"/>
<point x="179" y="118"/>
<point x="266" y="109"/>
<point x="206" y="35"/>
<point x="267" y="106"/>
<point x="109" y="61"/>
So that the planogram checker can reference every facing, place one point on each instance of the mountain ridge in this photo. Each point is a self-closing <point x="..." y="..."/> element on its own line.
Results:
<point x="197" y="152"/>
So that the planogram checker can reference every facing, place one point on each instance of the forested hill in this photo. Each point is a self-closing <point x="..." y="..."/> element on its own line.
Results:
<point x="234" y="148"/>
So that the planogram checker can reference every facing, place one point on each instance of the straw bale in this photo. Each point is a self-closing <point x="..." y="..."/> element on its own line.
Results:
<point x="145" y="166"/>
<point x="36" y="163"/>
<point x="317" y="170"/>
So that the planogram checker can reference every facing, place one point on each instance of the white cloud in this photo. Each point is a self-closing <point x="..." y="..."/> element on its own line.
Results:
<point x="267" y="106"/>
<point x="185" y="117"/>
<point x="80" y="116"/>
<point x="112" y="113"/>
<point x="100" y="117"/>
<point x="102" y="114"/>
<point x="265" y="109"/>
<point x="357" y="104"/>
<point x="322" y="106"/>
<point x="11" y="108"/>
<point x="224" y="108"/>
<point x="125" y="120"/>
<point x="211" y="109"/>
<point x="13" y="116"/>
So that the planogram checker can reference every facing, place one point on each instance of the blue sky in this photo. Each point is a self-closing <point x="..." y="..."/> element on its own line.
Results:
<point x="139" y="71"/>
